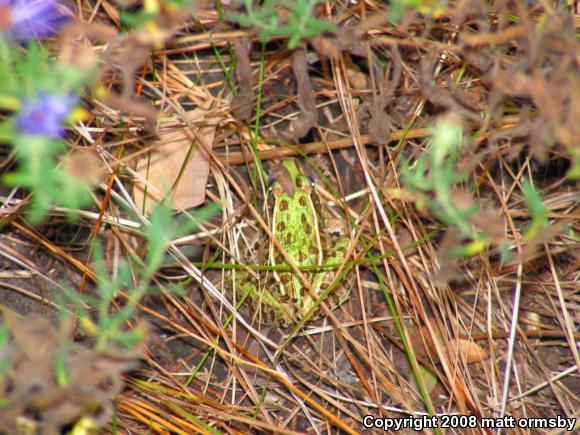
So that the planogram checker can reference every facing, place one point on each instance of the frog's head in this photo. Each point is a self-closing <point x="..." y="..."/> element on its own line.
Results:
<point x="290" y="178"/>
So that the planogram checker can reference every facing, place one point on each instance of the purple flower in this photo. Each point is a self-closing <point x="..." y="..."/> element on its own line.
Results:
<point x="23" y="20"/>
<point x="44" y="114"/>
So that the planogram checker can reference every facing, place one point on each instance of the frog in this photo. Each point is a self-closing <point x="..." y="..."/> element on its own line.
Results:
<point x="299" y="221"/>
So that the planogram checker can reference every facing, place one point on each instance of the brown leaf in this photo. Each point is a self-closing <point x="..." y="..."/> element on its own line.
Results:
<point x="443" y="97"/>
<point x="306" y="100"/>
<point x="243" y="103"/>
<point x="356" y="78"/>
<point x="134" y="106"/>
<point x="380" y="123"/>
<point x="84" y="165"/>
<point x="469" y="351"/>
<point x="29" y="385"/>
<point x="429" y="380"/>
<point x="177" y="164"/>
<point x="462" y="199"/>
<point x="345" y="39"/>
<point x="325" y="47"/>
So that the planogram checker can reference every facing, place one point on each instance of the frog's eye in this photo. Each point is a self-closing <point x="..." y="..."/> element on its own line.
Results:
<point x="336" y="227"/>
<point x="308" y="185"/>
<point x="335" y="232"/>
<point x="306" y="180"/>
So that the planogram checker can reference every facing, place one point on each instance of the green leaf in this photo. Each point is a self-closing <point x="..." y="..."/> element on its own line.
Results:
<point x="537" y="209"/>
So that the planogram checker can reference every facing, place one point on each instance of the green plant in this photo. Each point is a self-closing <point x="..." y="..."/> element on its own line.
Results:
<point x="397" y="8"/>
<point x="110" y="323"/>
<point x="151" y="10"/>
<point x="74" y="382"/>
<point x="537" y="210"/>
<point x="298" y="25"/>
<point x="433" y="180"/>
<point x="40" y="95"/>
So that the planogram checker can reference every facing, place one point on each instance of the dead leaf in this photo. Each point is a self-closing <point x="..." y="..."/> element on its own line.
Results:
<point x="306" y="99"/>
<point x="442" y="96"/>
<point x="345" y="39"/>
<point x="84" y="165"/>
<point x="177" y="164"/>
<point x="135" y="106"/>
<point x="428" y="378"/>
<point x="469" y="351"/>
<point x="243" y="103"/>
<point x="325" y="48"/>
<point x="30" y="388"/>
<point x="356" y="77"/>
<point x="380" y="123"/>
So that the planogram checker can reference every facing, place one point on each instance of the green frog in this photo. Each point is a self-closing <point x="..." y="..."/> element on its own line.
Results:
<point x="299" y="221"/>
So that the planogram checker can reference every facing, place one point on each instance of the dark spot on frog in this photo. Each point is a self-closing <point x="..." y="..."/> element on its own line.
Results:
<point x="307" y="228"/>
<point x="284" y="205"/>
<point x="314" y="250"/>
<point x="302" y="201"/>
<point x="280" y="226"/>
<point x="304" y="185"/>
